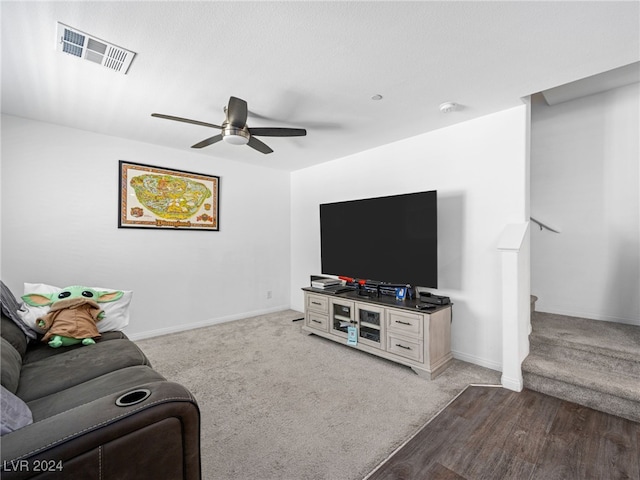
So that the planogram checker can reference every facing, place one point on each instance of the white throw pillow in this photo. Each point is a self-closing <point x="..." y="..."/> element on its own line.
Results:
<point x="116" y="314"/>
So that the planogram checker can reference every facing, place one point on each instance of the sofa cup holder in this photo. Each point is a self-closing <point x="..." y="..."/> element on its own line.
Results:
<point x="133" y="397"/>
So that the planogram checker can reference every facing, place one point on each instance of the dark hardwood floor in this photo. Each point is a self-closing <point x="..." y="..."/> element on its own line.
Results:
<point x="494" y="433"/>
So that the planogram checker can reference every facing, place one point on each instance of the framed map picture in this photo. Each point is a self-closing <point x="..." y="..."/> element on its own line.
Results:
<point x="154" y="197"/>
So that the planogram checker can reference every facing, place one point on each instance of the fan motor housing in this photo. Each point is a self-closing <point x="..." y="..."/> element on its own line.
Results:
<point x="235" y="135"/>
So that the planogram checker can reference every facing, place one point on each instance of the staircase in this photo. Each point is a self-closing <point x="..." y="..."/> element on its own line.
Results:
<point x="589" y="362"/>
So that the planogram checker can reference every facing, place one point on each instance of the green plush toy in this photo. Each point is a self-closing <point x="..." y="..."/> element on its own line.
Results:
<point x="73" y="314"/>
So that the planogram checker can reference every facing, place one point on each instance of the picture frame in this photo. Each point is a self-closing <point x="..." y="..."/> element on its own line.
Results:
<point x="165" y="198"/>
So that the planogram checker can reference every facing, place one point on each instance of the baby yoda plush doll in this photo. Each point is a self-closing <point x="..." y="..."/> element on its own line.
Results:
<point x="73" y="314"/>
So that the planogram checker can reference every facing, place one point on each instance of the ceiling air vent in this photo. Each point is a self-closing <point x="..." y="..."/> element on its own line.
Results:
<point x="82" y="45"/>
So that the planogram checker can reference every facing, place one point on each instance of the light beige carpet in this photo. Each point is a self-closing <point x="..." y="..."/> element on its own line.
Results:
<point x="277" y="403"/>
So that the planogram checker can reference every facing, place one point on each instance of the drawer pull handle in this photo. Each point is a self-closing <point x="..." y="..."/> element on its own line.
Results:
<point x="315" y="321"/>
<point x="403" y="323"/>
<point x="402" y="346"/>
<point x="316" y="303"/>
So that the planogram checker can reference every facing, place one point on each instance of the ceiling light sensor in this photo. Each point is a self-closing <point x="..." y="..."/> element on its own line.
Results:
<point x="377" y="97"/>
<point x="448" y="107"/>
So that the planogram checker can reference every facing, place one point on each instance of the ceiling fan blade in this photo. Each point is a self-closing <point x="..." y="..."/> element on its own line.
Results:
<point x="185" y="120"/>
<point x="258" y="145"/>
<point x="208" y="141"/>
<point x="278" y="132"/>
<point x="237" y="112"/>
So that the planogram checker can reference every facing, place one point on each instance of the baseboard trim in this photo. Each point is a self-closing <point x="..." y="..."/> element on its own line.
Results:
<point x="483" y="362"/>
<point x="512" y="383"/>
<point x="542" y="308"/>
<point x="205" y="323"/>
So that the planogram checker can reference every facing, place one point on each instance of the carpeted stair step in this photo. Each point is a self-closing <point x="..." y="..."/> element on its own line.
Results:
<point x="619" y="395"/>
<point x="603" y="360"/>
<point x="620" y="385"/>
<point x="595" y="336"/>
<point x="589" y="362"/>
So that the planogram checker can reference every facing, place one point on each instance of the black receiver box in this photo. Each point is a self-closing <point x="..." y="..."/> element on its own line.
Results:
<point x="434" y="299"/>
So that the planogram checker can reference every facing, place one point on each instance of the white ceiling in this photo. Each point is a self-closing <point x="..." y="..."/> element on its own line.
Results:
<point x="313" y="65"/>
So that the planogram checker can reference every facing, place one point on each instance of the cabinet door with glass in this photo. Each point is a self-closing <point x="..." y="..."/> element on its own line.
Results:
<point x="371" y="325"/>
<point x="341" y="317"/>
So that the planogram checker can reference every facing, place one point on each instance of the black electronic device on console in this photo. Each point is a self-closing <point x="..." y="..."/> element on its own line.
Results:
<point x="427" y="297"/>
<point x="425" y="306"/>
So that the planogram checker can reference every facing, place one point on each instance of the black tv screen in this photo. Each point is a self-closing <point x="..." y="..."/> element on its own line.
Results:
<point x="390" y="239"/>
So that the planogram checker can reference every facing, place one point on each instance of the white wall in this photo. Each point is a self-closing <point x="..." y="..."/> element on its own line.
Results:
<point x="479" y="170"/>
<point x="59" y="226"/>
<point x="585" y="181"/>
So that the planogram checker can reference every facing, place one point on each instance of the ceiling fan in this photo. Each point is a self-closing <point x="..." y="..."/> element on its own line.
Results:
<point x="235" y="129"/>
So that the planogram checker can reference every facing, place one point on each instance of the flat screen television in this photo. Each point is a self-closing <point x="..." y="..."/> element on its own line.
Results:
<point x="391" y="239"/>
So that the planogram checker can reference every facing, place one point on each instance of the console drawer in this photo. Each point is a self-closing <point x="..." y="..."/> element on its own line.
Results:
<point x="318" y="303"/>
<point x="406" y="323"/>
<point x="318" y="321"/>
<point x="405" y="347"/>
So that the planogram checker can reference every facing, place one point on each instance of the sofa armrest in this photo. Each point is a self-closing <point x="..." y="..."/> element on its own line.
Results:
<point x="157" y="437"/>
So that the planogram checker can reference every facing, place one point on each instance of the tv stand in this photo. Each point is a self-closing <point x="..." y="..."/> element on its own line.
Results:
<point x="393" y="329"/>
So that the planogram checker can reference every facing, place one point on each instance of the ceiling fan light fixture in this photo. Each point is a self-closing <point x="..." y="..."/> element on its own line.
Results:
<point x="235" y="136"/>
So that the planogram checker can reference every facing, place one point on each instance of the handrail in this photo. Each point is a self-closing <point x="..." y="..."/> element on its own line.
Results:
<point x="542" y="225"/>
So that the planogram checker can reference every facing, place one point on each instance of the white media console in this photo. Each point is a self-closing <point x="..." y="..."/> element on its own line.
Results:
<point x="383" y="326"/>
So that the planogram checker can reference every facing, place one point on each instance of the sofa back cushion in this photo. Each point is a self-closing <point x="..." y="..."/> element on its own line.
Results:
<point x="12" y="334"/>
<point x="10" y="366"/>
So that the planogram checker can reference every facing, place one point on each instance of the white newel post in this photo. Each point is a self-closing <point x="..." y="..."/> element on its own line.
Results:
<point x="514" y="249"/>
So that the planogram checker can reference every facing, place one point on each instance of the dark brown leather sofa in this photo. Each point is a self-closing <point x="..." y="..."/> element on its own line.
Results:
<point x="99" y="412"/>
